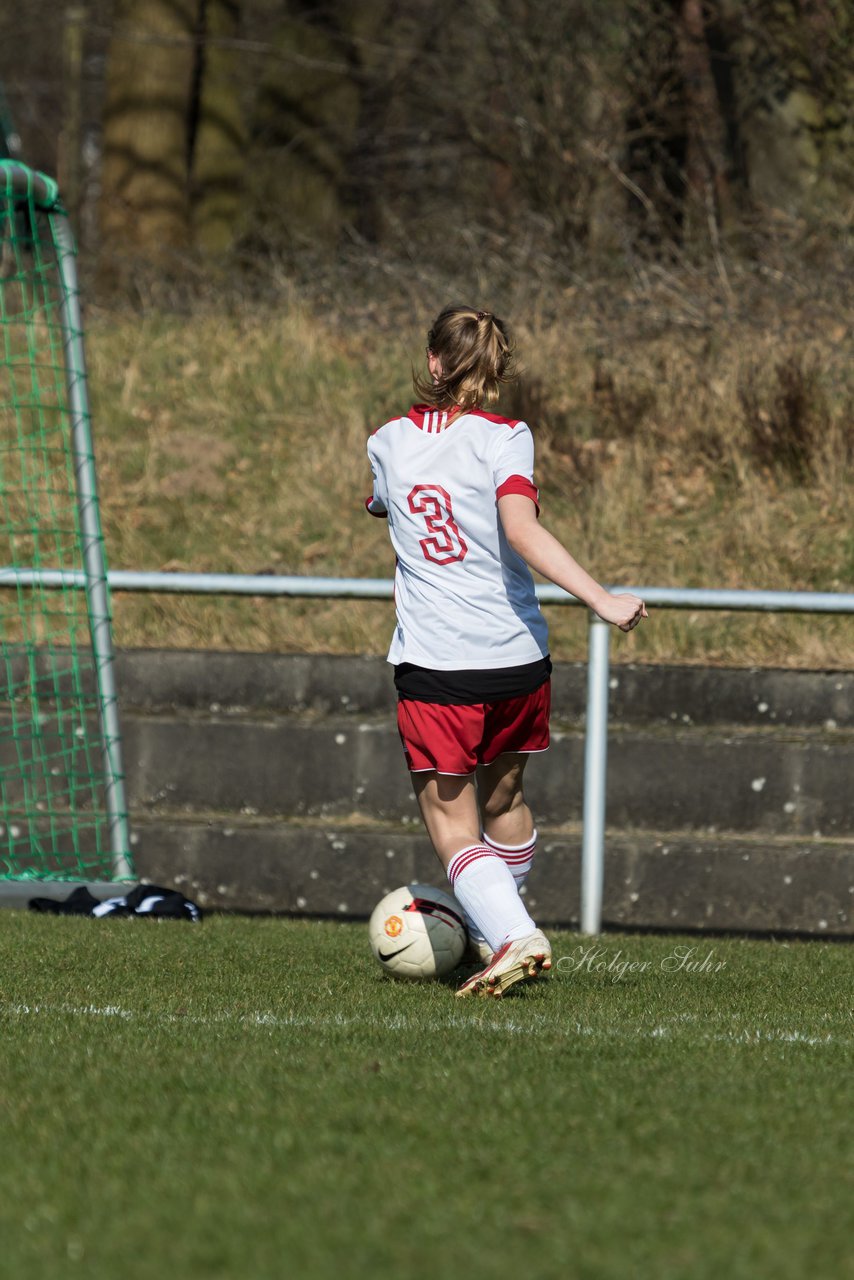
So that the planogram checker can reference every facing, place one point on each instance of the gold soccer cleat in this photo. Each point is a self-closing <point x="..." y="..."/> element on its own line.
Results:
<point x="516" y="961"/>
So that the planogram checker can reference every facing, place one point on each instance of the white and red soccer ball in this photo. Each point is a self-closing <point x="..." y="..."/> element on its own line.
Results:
<point x="417" y="931"/>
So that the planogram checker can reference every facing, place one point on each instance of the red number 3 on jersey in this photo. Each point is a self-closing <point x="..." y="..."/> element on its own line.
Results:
<point x="445" y="544"/>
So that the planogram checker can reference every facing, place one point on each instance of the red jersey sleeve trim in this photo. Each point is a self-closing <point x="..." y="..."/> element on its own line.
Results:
<point x="497" y="418"/>
<point x="380" y="512"/>
<point x="519" y="484"/>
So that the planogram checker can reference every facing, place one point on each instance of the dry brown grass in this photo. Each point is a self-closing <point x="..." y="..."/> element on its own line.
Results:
<point x="682" y="441"/>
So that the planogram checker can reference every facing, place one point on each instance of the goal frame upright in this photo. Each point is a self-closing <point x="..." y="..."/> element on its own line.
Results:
<point x="25" y="184"/>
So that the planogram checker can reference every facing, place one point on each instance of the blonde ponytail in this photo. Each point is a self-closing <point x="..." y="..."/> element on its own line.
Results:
<point x="476" y="355"/>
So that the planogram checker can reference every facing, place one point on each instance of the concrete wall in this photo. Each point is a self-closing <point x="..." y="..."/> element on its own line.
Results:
<point x="269" y="782"/>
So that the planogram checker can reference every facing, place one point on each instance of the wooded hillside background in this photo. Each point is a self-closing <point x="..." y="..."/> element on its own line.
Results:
<point x="273" y="198"/>
<point x="584" y="127"/>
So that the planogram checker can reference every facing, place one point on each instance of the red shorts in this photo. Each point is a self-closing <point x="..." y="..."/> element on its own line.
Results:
<point x="457" y="739"/>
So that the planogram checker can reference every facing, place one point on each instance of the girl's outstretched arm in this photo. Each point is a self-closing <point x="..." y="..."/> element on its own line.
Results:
<point x="542" y="551"/>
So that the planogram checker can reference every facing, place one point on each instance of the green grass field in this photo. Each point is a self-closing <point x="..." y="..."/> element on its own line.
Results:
<point x="253" y="1098"/>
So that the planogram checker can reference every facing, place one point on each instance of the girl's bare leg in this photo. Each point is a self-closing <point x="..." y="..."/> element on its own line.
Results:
<point x="448" y="805"/>
<point x="505" y="815"/>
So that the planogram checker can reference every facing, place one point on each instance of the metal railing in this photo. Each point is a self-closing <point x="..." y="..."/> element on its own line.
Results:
<point x="596" y="732"/>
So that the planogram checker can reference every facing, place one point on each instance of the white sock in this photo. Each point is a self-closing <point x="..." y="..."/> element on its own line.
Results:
<point x="487" y="892"/>
<point x="518" y="857"/>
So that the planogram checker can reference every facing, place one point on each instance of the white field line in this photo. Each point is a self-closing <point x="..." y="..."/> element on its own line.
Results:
<point x="682" y="1025"/>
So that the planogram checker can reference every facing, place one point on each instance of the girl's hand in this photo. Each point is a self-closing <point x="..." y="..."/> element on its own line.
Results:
<point x="624" y="611"/>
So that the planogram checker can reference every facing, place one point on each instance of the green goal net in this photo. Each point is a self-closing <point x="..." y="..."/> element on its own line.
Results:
<point x="62" y="807"/>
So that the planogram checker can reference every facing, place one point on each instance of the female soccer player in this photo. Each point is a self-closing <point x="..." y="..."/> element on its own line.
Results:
<point x="470" y="652"/>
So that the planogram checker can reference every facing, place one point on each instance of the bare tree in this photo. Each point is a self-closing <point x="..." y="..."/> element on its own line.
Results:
<point x="150" y="80"/>
<point x="392" y="121"/>
<point x="534" y="95"/>
<point x="795" y="92"/>
<point x="218" y="129"/>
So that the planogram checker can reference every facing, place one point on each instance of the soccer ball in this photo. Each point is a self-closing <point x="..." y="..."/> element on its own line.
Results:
<point x="418" y="932"/>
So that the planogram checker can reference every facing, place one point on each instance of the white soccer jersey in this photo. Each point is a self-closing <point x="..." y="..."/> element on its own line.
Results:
<point x="464" y="598"/>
